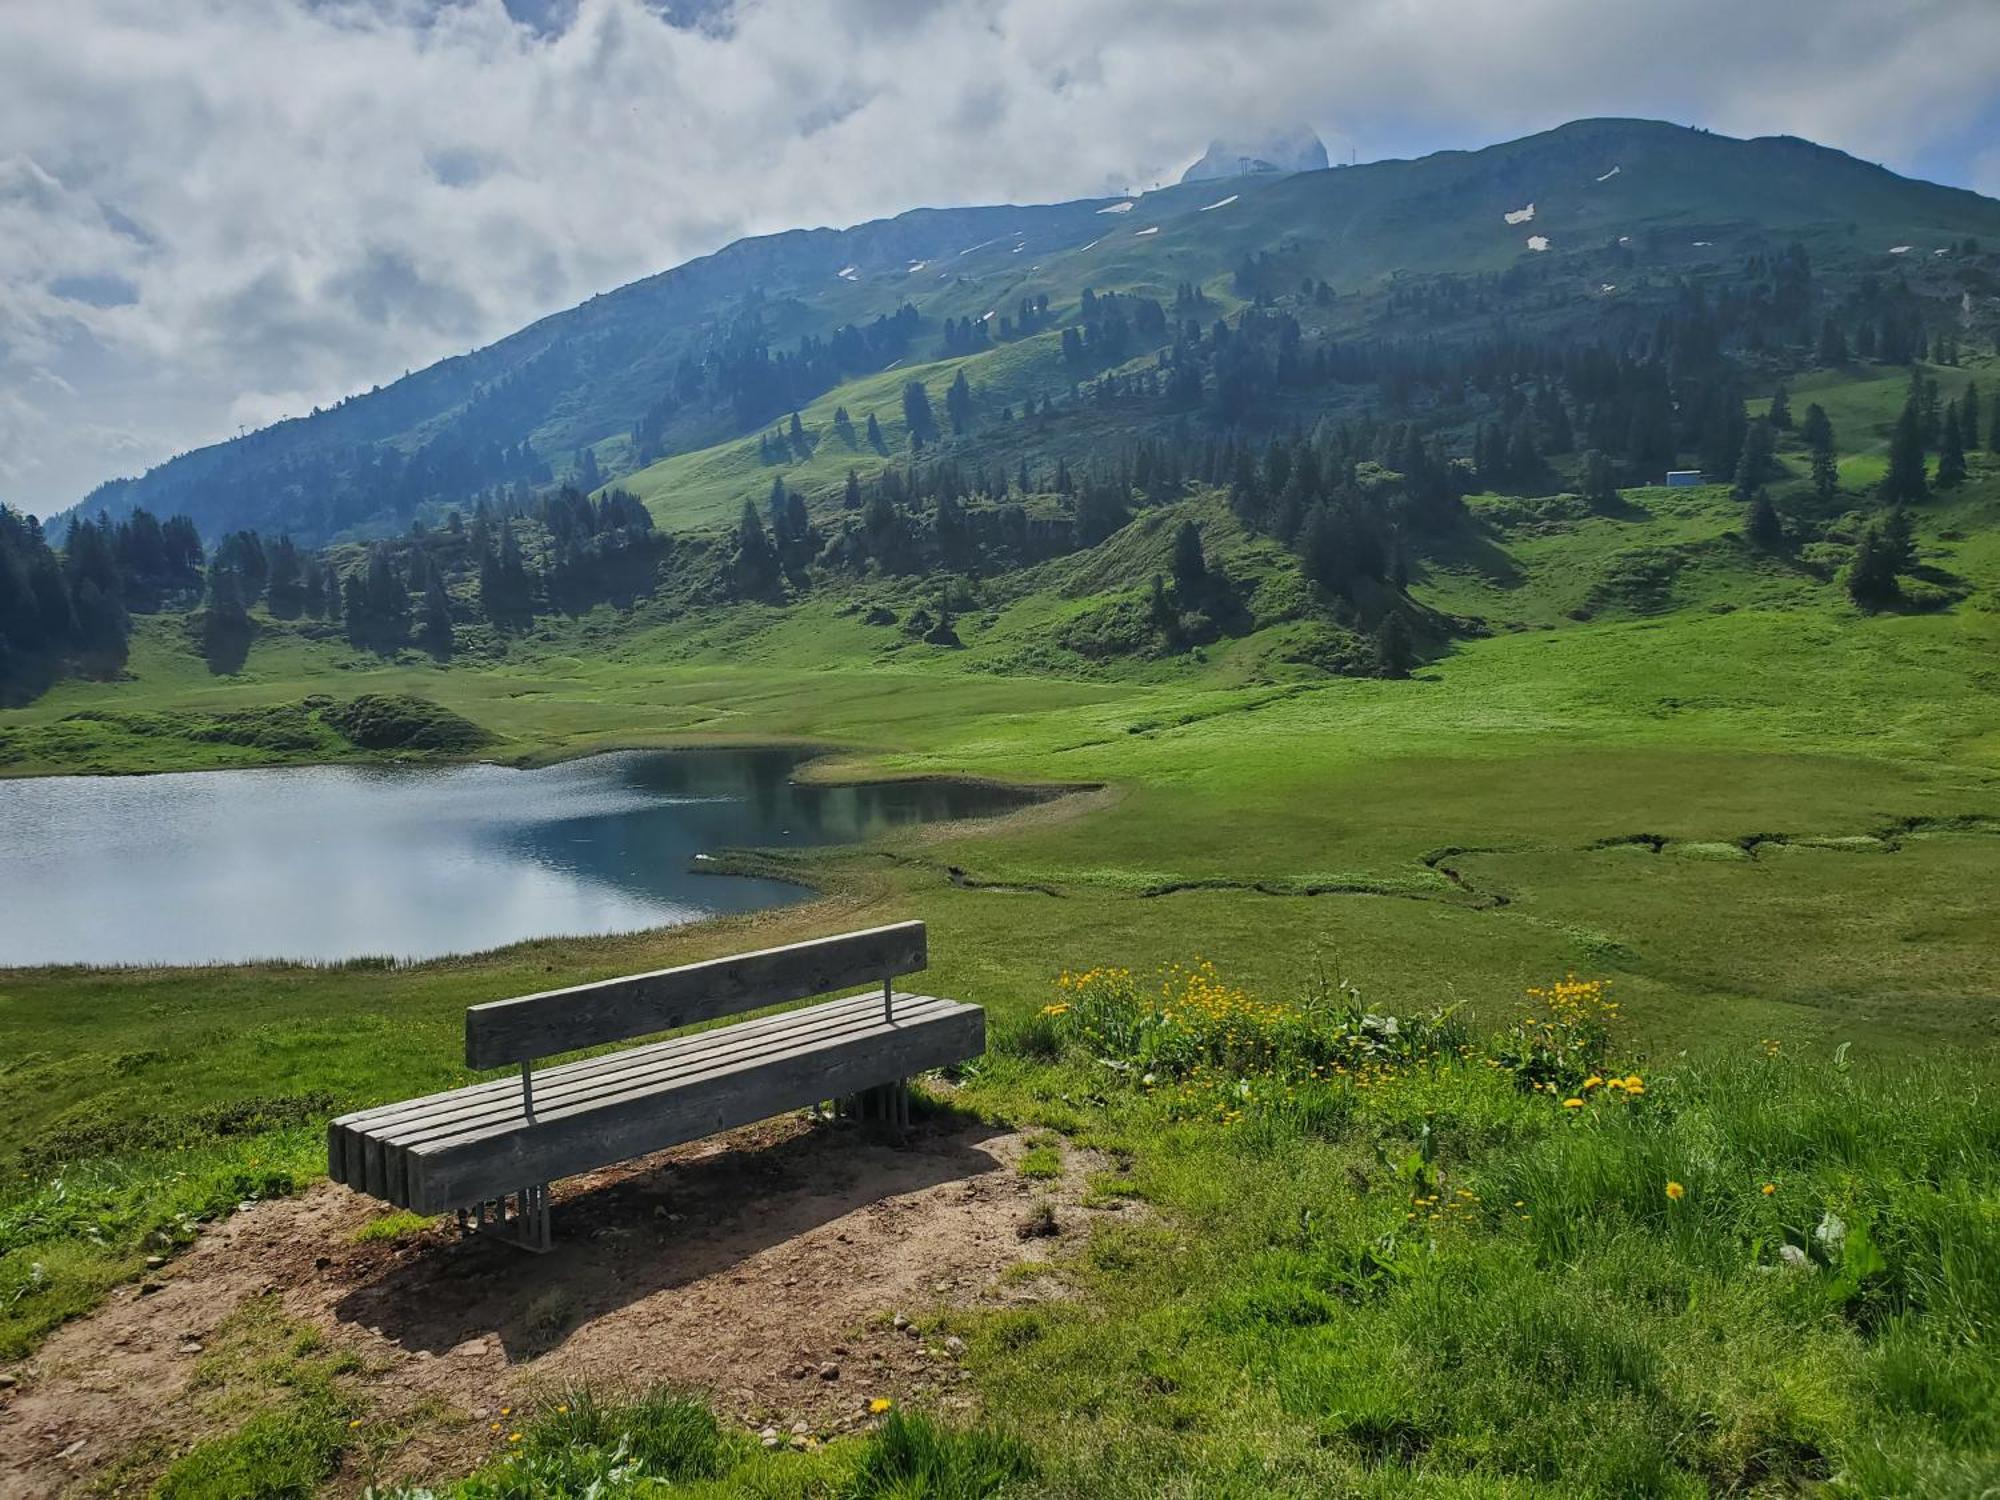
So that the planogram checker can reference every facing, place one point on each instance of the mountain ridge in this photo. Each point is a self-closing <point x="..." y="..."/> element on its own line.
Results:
<point x="590" y="376"/>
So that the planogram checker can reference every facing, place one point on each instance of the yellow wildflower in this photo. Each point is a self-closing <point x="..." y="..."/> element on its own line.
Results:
<point x="879" y="1405"/>
<point x="1769" y="1188"/>
<point x="1676" y="1192"/>
<point x="1572" y="1104"/>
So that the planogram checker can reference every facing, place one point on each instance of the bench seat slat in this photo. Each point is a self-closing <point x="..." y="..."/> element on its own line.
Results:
<point x="511" y="1083"/>
<point x="657" y="1063"/>
<point x="660" y="1066"/>
<point x="461" y="1170"/>
<point x="879" y="1033"/>
<point x="347" y="1135"/>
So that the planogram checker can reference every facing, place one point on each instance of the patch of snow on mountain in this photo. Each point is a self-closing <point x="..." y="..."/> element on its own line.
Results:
<point x="1520" y="215"/>
<point x="1611" y="174"/>
<point x="1538" y="242"/>
<point x="850" y="273"/>
<point x="1221" y="203"/>
<point x="1899" y="249"/>
<point x="1118" y="208"/>
<point x="1155" y="229"/>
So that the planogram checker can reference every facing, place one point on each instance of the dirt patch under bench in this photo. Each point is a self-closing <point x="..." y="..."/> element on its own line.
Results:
<point x="786" y="1270"/>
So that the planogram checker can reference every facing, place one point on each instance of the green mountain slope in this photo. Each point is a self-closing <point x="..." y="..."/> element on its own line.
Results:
<point x="683" y="361"/>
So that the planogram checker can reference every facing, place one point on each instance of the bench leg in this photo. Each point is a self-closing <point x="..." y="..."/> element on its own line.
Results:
<point x="525" y="1224"/>
<point x="886" y="1104"/>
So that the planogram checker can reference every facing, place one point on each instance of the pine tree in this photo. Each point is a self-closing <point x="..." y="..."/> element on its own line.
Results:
<point x="1832" y="350"/>
<point x="1780" y="416"/>
<point x="917" y="414"/>
<point x="435" y="622"/>
<point x="1904" y="483"/>
<point x="958" y="405"/>
<point x="851" y="498"/>
<point x="1394" y="654"/>
<point x="1600" y="486"/>
<point x="1871" y="576"/>
<point x="756" y="562"/>
<point x="1764" y="527"/>
<point x="1968" y="416"/>
<point x="875" y="440"/>
<point x="1753" y="466"/>
<point x="1190" y="566"/>
<point x="1898" y="537"/>
<point x="1951" y="451"/>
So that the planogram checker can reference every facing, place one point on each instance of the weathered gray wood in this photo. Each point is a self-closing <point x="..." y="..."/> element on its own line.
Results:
<point x="375" y="1142"/>
<point x="745" y="1071"/>
<point x="347" y="1135"/>
<point x="512" y="1031"/>
<point x="467" y="1169"/>
<point x="644" y="1068"/>
<point x="510" y="1086"/>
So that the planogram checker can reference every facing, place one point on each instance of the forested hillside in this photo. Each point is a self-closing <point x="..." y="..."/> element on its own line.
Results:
<point x="1584" y="233"/>
<point x="933" y="416"/>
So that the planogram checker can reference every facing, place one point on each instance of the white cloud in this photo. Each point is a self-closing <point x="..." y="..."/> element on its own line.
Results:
<point x="219" y="211"/>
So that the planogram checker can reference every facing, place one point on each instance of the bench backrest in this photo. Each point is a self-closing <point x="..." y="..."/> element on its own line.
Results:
<point x="513" y="1031"/>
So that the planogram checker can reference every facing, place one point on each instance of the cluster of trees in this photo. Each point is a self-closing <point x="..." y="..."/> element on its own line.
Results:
<point x="754" y="383"/>
<point x="69" y="609"/>
<point x="1927" y="423"/>
<point x="1110" y="328"/>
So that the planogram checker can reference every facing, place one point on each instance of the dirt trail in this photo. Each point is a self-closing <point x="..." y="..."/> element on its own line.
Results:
<point x="763" y="1267"/>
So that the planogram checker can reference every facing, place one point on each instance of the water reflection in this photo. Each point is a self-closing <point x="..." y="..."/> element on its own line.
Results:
<point x="335" y="862"/>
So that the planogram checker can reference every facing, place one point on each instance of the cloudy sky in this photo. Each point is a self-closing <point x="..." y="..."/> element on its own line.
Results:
<point x="214" y="213"/>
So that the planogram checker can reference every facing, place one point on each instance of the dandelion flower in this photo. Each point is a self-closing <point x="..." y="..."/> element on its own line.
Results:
<point x="513" y="1437"/>
<point x="879" y="1405"/>
<point x="1769" y="1188"/>
<point x="1572" y="1104"/>
<point x="1676" y="1192"/>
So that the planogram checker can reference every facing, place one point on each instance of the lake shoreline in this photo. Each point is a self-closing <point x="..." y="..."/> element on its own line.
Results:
<point x="462" y="860"/>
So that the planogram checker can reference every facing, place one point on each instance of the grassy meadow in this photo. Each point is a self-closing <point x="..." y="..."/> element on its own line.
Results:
<point x="1772" y="823"/>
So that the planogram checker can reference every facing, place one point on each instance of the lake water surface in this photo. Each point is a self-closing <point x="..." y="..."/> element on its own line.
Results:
<point x="333" y="862"/>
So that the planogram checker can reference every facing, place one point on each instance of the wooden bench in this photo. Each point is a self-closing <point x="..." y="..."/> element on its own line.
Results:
<point x="474" y="1149"/>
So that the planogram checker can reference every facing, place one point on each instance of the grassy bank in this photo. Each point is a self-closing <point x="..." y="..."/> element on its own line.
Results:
<point x="1393" y="1260"/>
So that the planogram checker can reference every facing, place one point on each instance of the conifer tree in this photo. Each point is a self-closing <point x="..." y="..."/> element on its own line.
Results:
<point x="756" y="562"/>
<point x="1190" y="566"/>
<point x="1394" y="654"/>
<point x="1600" y="488"/>
<point x="917" y="414"/>
<point x="1753" y="466"/>
<point x="1904" y="482"/>
<point x="1951" y="452"/>
<point x="958" y="405"/>
<point x="1780" y="416"/>
<point x="1766" y="530"/>
<point x="1871" y="576"/>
